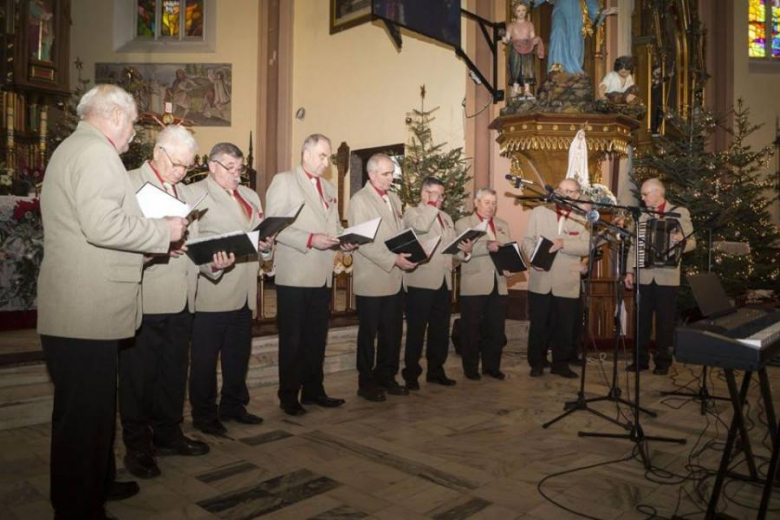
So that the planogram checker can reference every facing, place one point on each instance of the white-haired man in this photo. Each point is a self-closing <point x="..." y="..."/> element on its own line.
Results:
<point x="483" y="291"/>
<point x="153" y="371"/>
<point x="378" y="276"/>
<point x="89" y="291"/>
<point x="553" y="296"/>
<point x="304" y="275"/>
<point x="658" y="285"/>
<point x="226" y="304"/>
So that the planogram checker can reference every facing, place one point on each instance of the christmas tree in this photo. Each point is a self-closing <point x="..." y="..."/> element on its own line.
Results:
<point x="424" y="159"/>
<point x="726" y="195"/>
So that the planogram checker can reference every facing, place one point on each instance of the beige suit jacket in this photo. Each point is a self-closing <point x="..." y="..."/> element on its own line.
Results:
<point x="89" y="286"/>
<point x="478" y="275"/>
<point x="563" y="278"/>
<point x="168" y="283"/>
<point x="431" y="274"/>
<point x="667" y="276"/>
<point x="375" y="272"/>
<point x="220" y="213"/>
<point x="295" y="264"/>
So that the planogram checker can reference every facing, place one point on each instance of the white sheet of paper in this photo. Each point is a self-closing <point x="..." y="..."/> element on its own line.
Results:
<point x="538" y="244"/>
<point x="623" y="317"/>
<point x="254" y="236"/>
<point x="156" y="203"/>
<point x="366" y="229"/>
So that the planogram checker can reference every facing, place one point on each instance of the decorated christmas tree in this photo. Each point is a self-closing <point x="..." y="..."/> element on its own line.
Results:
<point x="726" y="195"/>
<point x="423" y="158"/>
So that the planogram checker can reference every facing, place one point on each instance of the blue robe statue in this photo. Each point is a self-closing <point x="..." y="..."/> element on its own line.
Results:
<point x="567" y="43"/>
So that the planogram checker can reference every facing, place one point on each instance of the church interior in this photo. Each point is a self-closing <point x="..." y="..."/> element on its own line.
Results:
<point x="507" y="97"/>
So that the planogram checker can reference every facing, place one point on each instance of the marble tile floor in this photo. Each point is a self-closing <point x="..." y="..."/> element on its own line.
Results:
<point x="476" y="450"/>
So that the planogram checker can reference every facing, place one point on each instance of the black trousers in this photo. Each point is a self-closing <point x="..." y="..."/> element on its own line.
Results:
<point x="227" y="335"/>
<point x="380" y="318"/>
<point x="551" y="322"/>
<point x="482" y="331"/>
<point x="83" y="422"/>
<point x="152" y="381"/>
<point x="302" y="317"/>
<point x="578" y="324"/>
<point x="661" y="300"/>
<point x="426" y="309"/>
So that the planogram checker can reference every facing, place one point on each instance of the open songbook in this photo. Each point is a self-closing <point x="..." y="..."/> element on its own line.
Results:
<point x="508" y="258"/>
<point x="542" y="257"/>
<point x="240" y="243"/>
<point x="157" y="203"/>
<point x="407" y="242"/>
<point x="470" y="234"/>
<point x="360" y="233"/>
<point x="272" y="225"/>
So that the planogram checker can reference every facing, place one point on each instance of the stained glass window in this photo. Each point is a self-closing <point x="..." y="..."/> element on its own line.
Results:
<point x="775" y="29"/>
<point x="171" y="12"/>
<point x="764" y="29"/>
<point x="757" y="28"/>
<point x="193" y="19"/>
<point x="146" y="17"/>
<point x="170" y="19"/>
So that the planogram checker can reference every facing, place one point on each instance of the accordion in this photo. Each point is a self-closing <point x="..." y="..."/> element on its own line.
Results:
<point x="655" y="243"/>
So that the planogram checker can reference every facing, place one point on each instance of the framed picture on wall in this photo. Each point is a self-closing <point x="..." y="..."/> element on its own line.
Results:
<point x="199" y="93"/>
<point x="348" y="13"/>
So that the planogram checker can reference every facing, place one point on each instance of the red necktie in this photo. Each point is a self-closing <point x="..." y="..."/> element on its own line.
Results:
<point x="244" y="204"/>
<point x="319" y="190"/>
<point x="559" y="213"/>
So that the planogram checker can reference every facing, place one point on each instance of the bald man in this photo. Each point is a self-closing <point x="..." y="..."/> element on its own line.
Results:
<point x="658" y="285"/>
<point x="553" y="295"/>
<point x="378" y="277"/>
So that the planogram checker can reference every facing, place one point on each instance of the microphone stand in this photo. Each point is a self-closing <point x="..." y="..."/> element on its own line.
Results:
<point x="614" y="394"/>
<point x="581" y="403"/>
<point x="637" y="434"/>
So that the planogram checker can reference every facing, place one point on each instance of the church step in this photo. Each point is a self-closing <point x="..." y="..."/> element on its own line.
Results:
<point x="26" y="391"/>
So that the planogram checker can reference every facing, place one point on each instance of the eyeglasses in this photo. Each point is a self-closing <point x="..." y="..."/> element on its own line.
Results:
<point x="184" y="167"/>
<point x="238" y="168"/>
<point x="570" y="192"/>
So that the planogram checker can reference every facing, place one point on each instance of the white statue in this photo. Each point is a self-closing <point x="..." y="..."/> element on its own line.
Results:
<point x="578" y="160"/>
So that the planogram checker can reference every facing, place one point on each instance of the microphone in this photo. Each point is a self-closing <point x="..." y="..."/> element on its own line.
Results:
<point x="592" y="216"/>
<point x="517" y="181"/>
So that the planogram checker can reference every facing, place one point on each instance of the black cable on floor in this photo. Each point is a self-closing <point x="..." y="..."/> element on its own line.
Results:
<point x="574" y="470"/>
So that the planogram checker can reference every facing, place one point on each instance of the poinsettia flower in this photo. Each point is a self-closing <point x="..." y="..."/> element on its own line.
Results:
<point x="23" y="207"/>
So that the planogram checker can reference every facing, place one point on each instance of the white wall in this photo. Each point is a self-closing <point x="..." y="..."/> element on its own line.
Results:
<point x="357" y="88"/>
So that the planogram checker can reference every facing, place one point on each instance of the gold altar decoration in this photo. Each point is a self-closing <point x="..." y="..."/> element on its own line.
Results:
<point x="538" y="143"/>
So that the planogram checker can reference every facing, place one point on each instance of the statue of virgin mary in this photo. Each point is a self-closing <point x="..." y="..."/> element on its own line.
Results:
<point x="578" y="160"/>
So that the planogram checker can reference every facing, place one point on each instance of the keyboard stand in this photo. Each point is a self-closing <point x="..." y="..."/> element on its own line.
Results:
<point x="702" y="395"/>
<point x="738" y="426"/>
